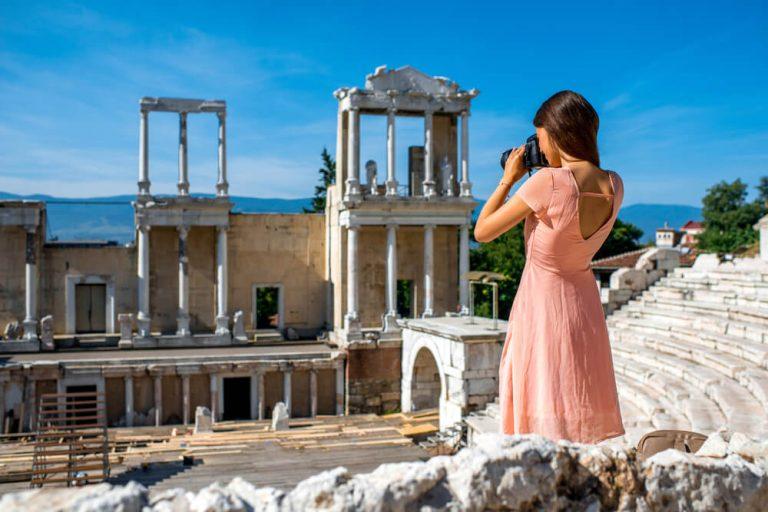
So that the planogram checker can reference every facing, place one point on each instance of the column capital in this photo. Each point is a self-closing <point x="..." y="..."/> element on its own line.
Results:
<point x="183" y="230"/>
<point x="430" y="226"/>
<point x="392" y="110"/>
<point x="354" y="108"/>
<point x="220" y="229"/>
<point x="221" y="115"/>
<point x="144" y="228"/>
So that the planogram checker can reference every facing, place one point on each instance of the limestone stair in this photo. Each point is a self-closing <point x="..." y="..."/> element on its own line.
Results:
<point x="690" y="352"/>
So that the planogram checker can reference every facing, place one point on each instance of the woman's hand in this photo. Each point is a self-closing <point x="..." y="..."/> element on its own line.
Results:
<point x="514" y="168"/>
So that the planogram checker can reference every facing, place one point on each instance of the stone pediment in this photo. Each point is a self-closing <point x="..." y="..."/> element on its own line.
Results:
<point x="408" y="79"/>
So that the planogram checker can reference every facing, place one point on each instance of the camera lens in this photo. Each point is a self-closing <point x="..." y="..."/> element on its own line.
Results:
<point x="504" y="157"/>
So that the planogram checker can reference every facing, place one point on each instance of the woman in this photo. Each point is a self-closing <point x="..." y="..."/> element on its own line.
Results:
<point x="556" y="374"/>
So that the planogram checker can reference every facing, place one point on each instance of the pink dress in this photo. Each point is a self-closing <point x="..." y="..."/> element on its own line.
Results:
<point x="556" y="373"/>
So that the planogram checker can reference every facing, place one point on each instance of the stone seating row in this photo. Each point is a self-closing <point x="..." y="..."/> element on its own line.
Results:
<point x="670" y="299"/>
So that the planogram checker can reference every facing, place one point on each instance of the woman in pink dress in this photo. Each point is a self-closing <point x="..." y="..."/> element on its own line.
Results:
<point x="556" y="373"/>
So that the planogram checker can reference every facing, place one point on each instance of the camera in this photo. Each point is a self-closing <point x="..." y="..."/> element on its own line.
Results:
<point x="533" y="157"/>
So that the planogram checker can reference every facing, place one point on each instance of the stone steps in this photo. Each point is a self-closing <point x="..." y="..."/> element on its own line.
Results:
<point x="658" y="298"/>
<point x="661" y="413"/>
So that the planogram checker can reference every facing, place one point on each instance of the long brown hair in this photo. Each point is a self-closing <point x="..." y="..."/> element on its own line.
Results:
<point x="572" y="124"/>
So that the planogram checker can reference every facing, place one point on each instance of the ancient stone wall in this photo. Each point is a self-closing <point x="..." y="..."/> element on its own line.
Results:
<point x="13" y="241"/>
<point x="280" y="249"/>
<point x="373" y="379"/>
<point x="115" y="263"/>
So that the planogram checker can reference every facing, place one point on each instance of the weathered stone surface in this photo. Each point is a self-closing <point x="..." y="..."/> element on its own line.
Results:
<point x="46" y="333"/>
<point x="203" y="420"/>
<point x="128" y="498"/>
<point x="527" y="472"/>
<point x="280" y="417"/>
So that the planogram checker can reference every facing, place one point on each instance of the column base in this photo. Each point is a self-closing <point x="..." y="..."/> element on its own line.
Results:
<point x="142" y="326"/>
<point x="144" y="188"/>
<point x="392" y="188"/>
<point x="30" y="330"/>
<point x="466" y="189"/>
<point x="222" y="324"/>
<point x="353" y="192"/>
<point x="428" y="313"/>
<point x="222" y="189"/>
<point x="182" y="325"/>
<point x="429" y="189"/>
<point x="390" y="323"/>
<point x="351" y="323"/>
<point x="464" y="311"/>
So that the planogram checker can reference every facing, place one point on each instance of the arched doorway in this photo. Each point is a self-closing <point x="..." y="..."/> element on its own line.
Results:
<point x="426" y="383"/>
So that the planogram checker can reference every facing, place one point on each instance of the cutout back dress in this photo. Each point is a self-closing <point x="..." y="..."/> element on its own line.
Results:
<point x="556" y="374"/>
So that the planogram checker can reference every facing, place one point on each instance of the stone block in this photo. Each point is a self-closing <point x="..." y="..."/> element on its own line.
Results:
<point x="203" y="420"/>
<point x="46" y="333"/>
<point x="238" y="326"/>
<point x="280" y="417"/>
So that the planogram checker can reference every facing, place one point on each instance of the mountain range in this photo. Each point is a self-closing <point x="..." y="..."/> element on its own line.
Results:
<point x="111" y="218"/>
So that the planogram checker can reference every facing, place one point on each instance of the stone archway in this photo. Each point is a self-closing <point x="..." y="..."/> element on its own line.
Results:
<point x="426" y="385"/>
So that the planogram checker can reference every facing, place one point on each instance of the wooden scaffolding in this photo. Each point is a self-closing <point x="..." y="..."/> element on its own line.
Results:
<point x="71" y="442"/>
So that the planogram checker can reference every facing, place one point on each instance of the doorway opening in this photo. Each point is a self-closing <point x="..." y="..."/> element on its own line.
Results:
<point x="266" y="307"/>
<point x="90" y="308"/>
<point x="406" y="303"/>
<point x="237" y="398"/>
<point x="83" y="408"/>
<point x="425" y="382"/>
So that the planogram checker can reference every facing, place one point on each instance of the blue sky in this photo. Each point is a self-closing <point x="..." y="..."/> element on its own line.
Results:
<point x="680" y="87"/>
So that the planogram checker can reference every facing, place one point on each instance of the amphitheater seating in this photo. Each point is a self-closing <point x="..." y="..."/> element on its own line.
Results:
<point x="691" y="352"/>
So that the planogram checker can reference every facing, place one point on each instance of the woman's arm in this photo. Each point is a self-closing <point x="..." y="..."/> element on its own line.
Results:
<point x="498" y="216"/>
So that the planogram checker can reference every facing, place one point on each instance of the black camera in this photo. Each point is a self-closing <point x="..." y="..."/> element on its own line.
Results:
<point x="533" y="156"/>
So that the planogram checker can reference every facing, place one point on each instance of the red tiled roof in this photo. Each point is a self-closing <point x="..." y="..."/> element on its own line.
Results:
<point x="625" y="259"/>
<point x="693" y="224"/>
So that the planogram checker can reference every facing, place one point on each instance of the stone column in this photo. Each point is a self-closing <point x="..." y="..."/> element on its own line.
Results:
<point x="30" y="286"/>
<point x="143" y="317"/>
<point x="128" y="380"/>
<point x="429" y="270"/>
<point x="340" y="387"/>
<point x="429" y="180"/>
<point x="183" y="184"/>
<point x="158" y="400"/>
<point x="464" y="268"/>
<point x="352" y="192"/>
<point x="313" y="392"/>
<point x="222" y="187"/>
<point x="185" y="399"/>
<point x="261" y="395"/>
<point x="254" y="396"/>
<point x="351" y="320"/>
<point x="391" y="152"/>
<point x="31" y="413"/>
<point x="214" y="396"/>
<point x="222" y="320"/>
<point x="390" y="317"/>
<point x="466" y="185"/>
<point x="182" y="316"/>
<point x="339" y="144"/>
<point x="144" y="154"/>
<point x="287" y="390"/>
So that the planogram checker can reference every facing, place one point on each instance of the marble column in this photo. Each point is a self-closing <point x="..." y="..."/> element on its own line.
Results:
<point x="340" y="164"/>
<point x="222" y="186"/>
<point x="182" y="316"/>
<point x="429" y="270"/>
<point x="313" y="392"/>
<point x="185" y="399"/>
<point x="390" y="317"/>
<point x="31" y="413"/>
<point x="340" y="387"/>
<point x="158" y="400"/>
<point x="183" y="184"/>
<point x="222" y="320"/>
<point x="262" y="395"/>
<point x="128" y="381"/>
<point x="144" y="182"/>
<point x="464" y="268"/>
<point x="391" y="153"/>
<point x="3" y="404"/>
<point x="352" y="186"/>
<point x="214" y="383"/>
<point x="143" y="317"/>
<point x="351" y="320"/>
<point x="429" y="180"/>
<point x="466" y="185"/>
<point x="287" y="391"/>
<point x="254" y="395"/>
<point x="30" y="286"/>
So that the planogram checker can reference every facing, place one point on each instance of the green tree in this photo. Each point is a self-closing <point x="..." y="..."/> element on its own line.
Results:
<point x="729" y="217"/>
<point x="327" y="178"/>
<point x="624" y="237"/>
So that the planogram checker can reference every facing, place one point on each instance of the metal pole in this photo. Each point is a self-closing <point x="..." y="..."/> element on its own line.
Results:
<point x="495" y="287"/>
